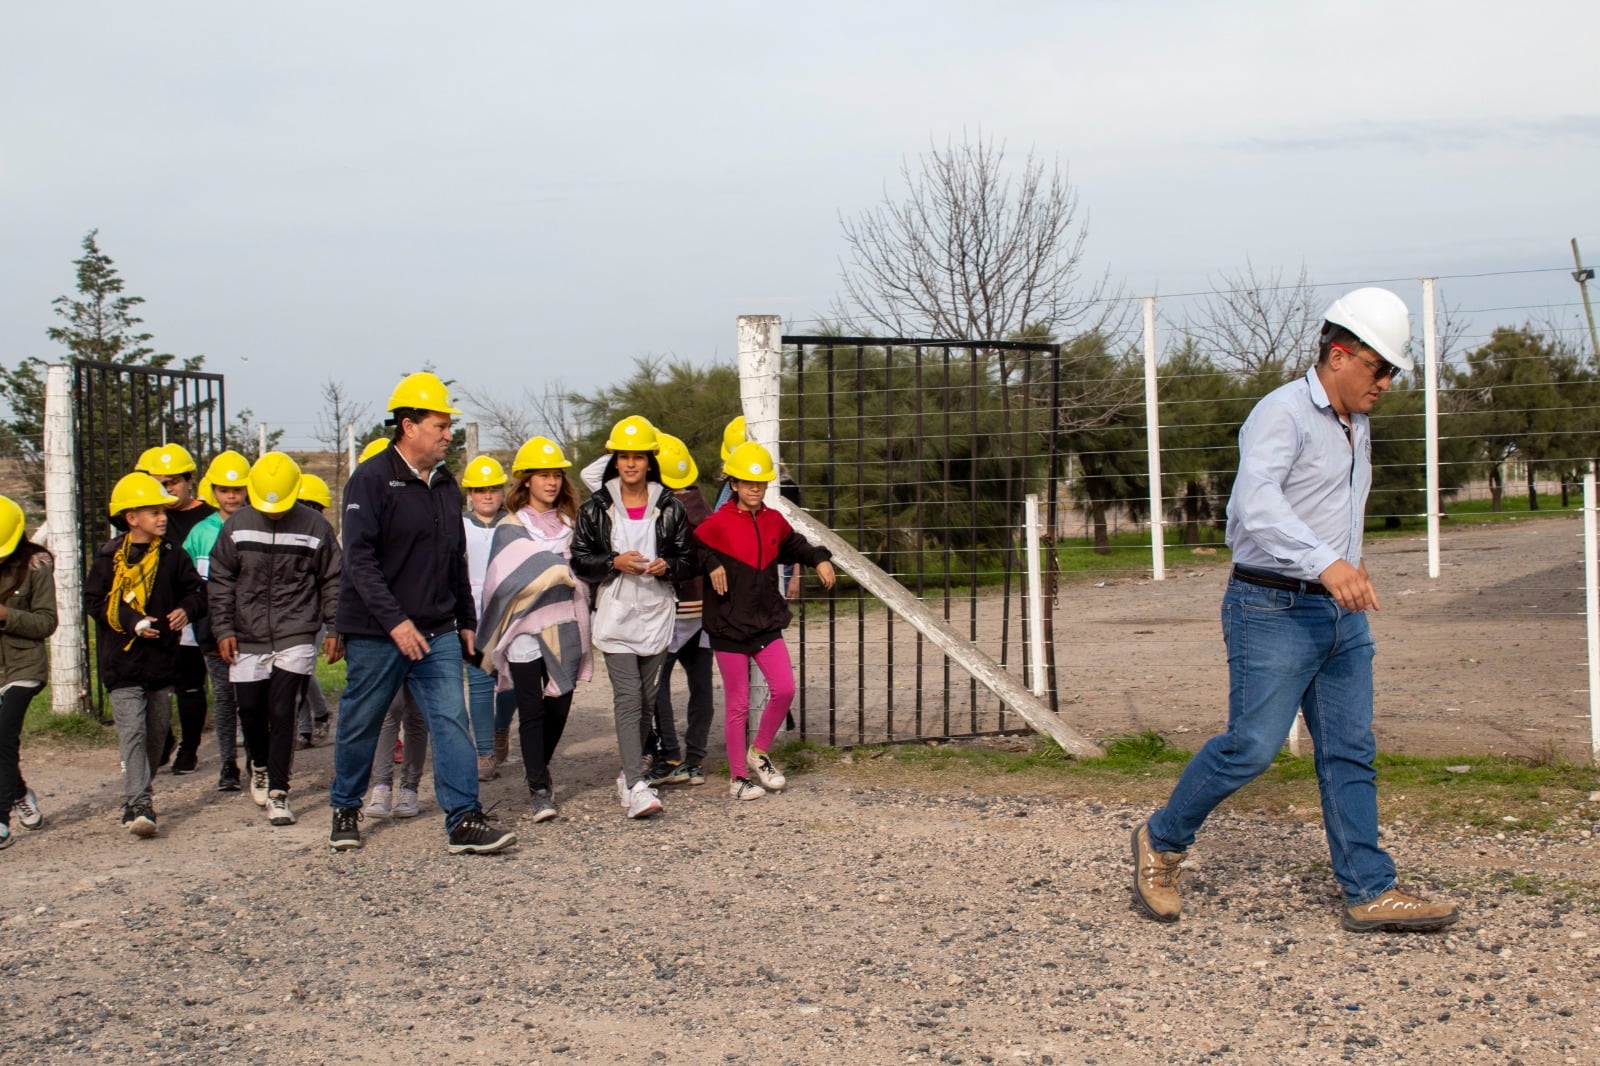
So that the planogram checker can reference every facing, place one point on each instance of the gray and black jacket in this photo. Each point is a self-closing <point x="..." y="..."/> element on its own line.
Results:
<point x="273" y="582"/>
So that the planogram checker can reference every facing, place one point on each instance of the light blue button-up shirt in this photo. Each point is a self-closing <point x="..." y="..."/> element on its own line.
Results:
<point x="1300" y="500"/>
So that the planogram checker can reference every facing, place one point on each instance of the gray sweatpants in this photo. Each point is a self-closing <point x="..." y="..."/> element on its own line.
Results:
<point x="224" y="710"/>
<point x="634" y="682"/>
<point x="402" y="708"/>
<point x="144" y="718"/>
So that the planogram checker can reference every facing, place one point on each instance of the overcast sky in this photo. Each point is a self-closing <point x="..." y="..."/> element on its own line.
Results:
<point x="527" y="193"/>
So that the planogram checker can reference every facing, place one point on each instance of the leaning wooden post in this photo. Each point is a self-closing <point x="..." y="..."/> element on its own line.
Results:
<point x="988" y="673"/>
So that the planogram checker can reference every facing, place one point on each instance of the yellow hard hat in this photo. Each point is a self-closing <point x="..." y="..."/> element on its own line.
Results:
<point x="677" y="465"/>
<point x="633" y="434"/>
<point x="733" y="435"/>
<point x="229" y="469"/>
<point x="484" y="472"/>
<point x="274" y="483"/>
<point x="315" y="490"/>
<point x="750" y="462"/>
<point x="138" y="489"/>
<point x="149" y="460"/>
<point x="423" y="391"/>
<point x="172" y="459"/>
<point x="11" y="522"/>
<point x="373" y="447"/>
<point x="203" y="490"/>
<point x="540" y="453"/>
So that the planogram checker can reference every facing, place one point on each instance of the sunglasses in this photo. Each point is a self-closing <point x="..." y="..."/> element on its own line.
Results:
<point x="1381" y="370"/>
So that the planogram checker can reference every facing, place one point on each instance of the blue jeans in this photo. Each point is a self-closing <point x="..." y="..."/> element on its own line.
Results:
<point x="481" y="708"/>
<point x="374" y="673"/>
<point x="1291" y="651"/>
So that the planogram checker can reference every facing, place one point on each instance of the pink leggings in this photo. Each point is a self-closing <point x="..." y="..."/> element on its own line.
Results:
<point x="773" y="661"/>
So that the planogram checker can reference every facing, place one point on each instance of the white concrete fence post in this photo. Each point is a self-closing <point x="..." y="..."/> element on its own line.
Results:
<point x="68" y="661"/>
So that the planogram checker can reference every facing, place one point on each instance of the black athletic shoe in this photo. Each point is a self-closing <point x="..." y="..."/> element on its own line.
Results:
<point x="346" y="832"/>
<point x="139" y="819"/>
<point x="186" y="762"/>
<point x="474" y="835"/>
<point x="228" y="779"/>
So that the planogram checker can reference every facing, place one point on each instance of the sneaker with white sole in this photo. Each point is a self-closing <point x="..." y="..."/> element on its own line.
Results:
<point x="643" y="801"/>
<point x="693" y="775"/>
<point x="544" y="805"/>
<point x="258" y="784"/>
<point x="278" y="812"/>
<point x="742" y="788"/>
<point x="27" y="808"/>
<point x="406" y="804"/>
<point x="6" y="839"/>
<point x="381" y="805"/>
<point x="346" y="831"/>
<point x="767" y="772"/>
<point x="473" y="835"/>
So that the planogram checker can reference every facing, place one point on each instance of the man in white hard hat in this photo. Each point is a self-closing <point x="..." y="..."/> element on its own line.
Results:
<point x="1295" y="624"/>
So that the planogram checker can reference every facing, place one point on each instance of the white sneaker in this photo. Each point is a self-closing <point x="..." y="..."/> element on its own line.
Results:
<point x="258" y="785"/>
<point x="768" y="774"/>
<point x="405" y="804"/>
<point x="27" y="808"/>
<point x="278" y="812"/>
<point x="381" y="805"/>
<point x="643" y="801"/>
<point x="742" y="788"/>
<point x="622" y="788"/>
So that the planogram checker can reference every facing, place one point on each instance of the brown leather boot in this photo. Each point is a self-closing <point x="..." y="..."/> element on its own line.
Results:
<point x="502" y="745"/>
<point x="1155" y="877"/>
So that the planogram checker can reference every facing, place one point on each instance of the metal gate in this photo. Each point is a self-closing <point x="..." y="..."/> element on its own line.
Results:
<point x="921" y="454"/>
<point x="119" y="411"/>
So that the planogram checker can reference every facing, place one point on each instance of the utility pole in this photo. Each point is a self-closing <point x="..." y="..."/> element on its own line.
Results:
<point x="1583" y="277"/>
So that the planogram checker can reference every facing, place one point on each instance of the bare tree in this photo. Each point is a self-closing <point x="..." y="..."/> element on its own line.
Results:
<point x="971" y="252"/>
<point x="338" y="416"/>
<point x="511" y="420"/>
<point x="1258" y="323"/>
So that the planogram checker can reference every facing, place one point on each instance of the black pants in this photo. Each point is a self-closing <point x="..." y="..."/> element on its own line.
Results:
<point x="14" y="700"/>
<point x="191" y="689"/>
<point x="541" y="720"/>
<point x="696" y="662"/>
<point x="267" y="711"/>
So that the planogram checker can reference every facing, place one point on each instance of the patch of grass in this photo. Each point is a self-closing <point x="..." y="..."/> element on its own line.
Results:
<point x="77" y="730"/>
<point x="1497" y="793"/>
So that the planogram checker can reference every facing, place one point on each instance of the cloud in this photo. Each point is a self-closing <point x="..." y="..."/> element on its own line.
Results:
<point x="1425" y="135"/>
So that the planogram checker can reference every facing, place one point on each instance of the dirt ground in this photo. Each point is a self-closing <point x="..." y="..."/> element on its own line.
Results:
<point x="847" y="920"/>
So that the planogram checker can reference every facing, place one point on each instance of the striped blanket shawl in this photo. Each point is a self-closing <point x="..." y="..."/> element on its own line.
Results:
<point x="531" y="591"/>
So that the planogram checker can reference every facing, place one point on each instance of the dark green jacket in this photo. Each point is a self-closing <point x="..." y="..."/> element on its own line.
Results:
<point x="29" y="597"/>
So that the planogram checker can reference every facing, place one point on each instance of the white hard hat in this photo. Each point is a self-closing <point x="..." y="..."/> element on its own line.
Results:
<point x="1380" y="319"/>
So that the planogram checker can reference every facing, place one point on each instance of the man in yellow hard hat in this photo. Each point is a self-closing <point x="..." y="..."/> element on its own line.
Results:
<point x="407" y="616"/>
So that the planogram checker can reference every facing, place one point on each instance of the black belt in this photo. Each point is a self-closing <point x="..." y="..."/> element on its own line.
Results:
<point x="1267" y="579"/>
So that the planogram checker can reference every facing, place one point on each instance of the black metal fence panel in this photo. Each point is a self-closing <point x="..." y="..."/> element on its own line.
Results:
<point x="921" y="454"/>
<point x="118" y="412"/>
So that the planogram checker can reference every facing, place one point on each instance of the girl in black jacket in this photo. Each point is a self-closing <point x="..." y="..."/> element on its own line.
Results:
<point x="631" y="539"/>
<point x="741" y="547"/>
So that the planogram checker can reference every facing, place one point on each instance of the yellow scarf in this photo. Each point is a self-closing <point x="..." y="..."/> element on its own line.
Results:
<point x="131" y="583"/>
